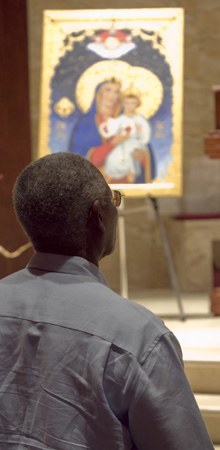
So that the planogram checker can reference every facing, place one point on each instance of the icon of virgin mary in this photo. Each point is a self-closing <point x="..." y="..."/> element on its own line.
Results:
<point x="86" y="138"/>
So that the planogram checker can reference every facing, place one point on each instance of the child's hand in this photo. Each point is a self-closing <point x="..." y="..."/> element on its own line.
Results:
<point x="127" y="130"/>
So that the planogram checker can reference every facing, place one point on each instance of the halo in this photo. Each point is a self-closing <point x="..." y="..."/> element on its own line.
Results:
<point x="141" y="79"/>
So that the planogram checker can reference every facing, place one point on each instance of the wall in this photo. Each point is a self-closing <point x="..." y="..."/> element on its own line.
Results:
<point x="15" y="142"/>
<point x="147" y="267"/>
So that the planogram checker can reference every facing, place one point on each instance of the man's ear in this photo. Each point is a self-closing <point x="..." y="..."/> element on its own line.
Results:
<point x="96" y="216"/>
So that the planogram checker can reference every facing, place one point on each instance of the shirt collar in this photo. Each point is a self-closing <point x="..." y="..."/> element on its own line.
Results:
<point x="49" y="262"/>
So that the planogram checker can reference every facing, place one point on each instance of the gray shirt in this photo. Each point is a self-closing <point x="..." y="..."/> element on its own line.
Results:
<point x="83" y="368"/>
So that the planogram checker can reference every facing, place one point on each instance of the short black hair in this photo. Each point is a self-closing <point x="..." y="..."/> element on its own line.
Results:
<point x="52" y="197"/>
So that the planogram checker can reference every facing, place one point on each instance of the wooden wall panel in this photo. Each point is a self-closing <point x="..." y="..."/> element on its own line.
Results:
<point x="15" y="146"/>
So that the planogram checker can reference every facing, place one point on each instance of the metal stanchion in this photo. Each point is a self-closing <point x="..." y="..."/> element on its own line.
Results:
<point x="166" y="248"/>
<point x="168" y="255"/>
<point x="122" y="252"/>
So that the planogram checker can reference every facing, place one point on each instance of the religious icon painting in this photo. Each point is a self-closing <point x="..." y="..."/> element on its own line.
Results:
<point x="112" y="91"/>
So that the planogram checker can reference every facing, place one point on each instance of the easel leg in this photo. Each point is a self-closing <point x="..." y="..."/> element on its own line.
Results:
<point x="122" y="255"/>
<point x="166" y="247"/>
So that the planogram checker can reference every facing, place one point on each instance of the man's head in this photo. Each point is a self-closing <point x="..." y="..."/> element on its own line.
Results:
<point x="65" y="206"/>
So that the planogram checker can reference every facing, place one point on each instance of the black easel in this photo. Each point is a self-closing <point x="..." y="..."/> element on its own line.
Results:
<point x="167" y="252"/>
<point x="166" y="248"/>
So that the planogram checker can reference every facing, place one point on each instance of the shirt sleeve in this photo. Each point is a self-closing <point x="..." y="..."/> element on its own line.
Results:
<point x="163" y="413"/>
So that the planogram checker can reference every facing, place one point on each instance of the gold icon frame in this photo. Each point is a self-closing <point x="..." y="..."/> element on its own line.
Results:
<point x="158" y="31"/>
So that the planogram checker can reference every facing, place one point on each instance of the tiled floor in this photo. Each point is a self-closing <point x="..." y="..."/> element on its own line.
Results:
<point x="199" y="333"/>
<point x="164" y="303"/>
<point x="199" y="338"/>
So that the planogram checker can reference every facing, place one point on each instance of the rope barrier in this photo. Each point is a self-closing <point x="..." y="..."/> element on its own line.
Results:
<point x="16" y="253"/>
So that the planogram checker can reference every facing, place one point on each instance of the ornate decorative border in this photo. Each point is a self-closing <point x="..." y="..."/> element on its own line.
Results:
<point x="162" y="28"/>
